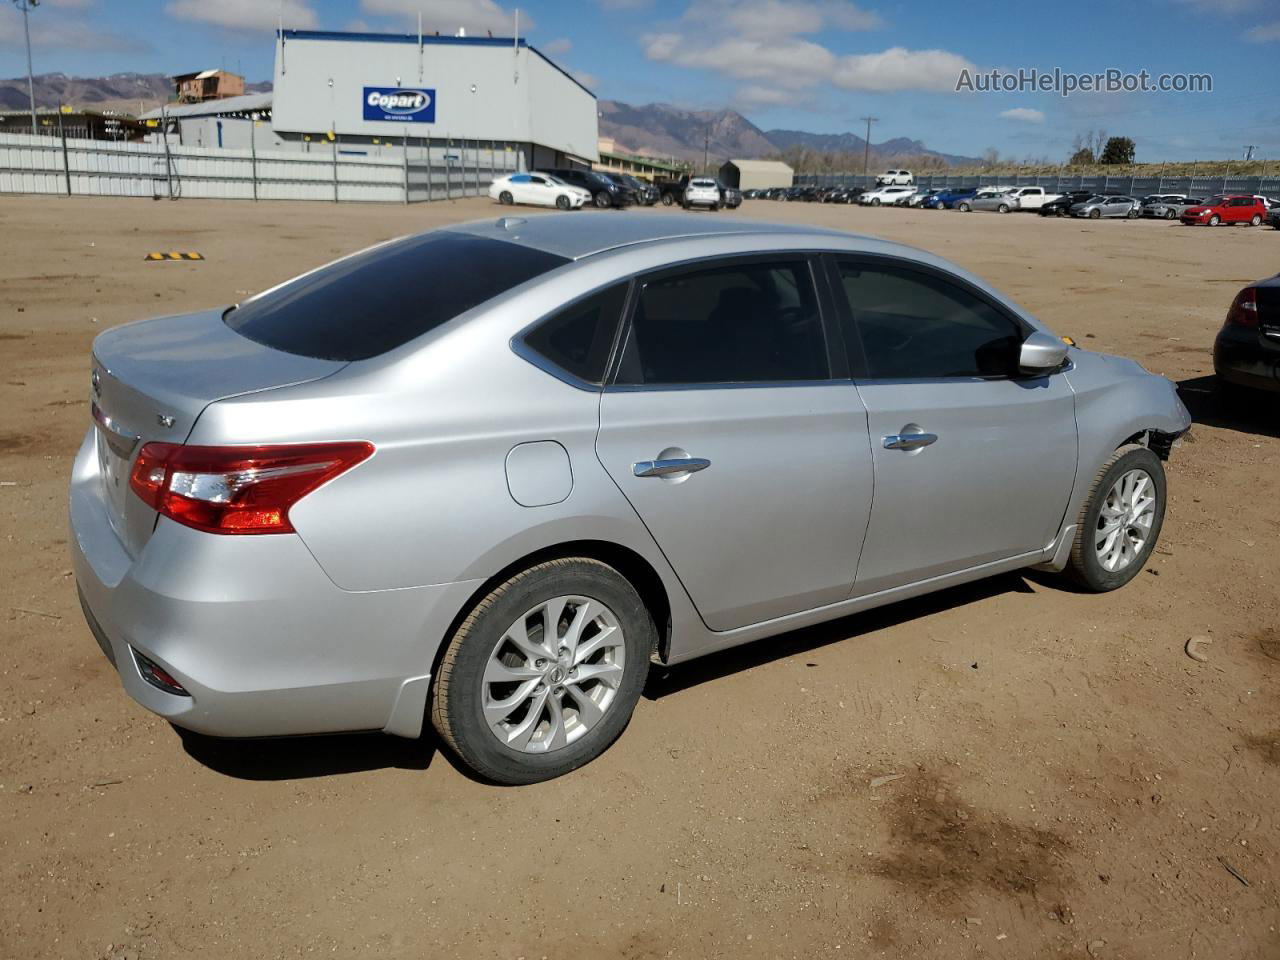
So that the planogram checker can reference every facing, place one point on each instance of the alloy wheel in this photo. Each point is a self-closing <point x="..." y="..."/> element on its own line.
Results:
<point x="1124" y="523"/>
<point x="553" y="674"/>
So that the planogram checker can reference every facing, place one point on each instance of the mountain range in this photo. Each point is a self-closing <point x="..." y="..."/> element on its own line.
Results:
<point x="653" y="129"/>
<point x="663" y="130"/>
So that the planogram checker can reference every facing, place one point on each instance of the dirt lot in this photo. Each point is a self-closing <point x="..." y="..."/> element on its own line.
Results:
<point x="1073" y="785"/>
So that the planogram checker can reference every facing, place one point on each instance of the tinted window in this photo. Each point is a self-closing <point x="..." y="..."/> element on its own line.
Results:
<point x="748" y="322"/>
<point x="377" y="300"/>
<point x="917" y="325"/>
<point x="578" y="339"/>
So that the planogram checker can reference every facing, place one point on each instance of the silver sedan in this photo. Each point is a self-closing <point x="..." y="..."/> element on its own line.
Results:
<point x="1107" y="206"/>
<point x="483" y="477"/>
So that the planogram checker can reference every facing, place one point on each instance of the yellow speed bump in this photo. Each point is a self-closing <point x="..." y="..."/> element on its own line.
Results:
<point x="173" y="255"/>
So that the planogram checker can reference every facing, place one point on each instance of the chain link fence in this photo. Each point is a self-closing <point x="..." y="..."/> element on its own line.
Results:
<point x="1126" y="186"/>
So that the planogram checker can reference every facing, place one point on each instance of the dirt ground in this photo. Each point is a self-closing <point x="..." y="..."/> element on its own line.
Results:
<point x="1072" y="784"/>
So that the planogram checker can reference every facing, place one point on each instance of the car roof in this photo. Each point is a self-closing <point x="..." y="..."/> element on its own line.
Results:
<point x="575" y="235"/>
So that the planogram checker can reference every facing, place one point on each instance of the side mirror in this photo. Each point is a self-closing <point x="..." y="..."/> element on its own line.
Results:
<point x="1041" y="353"/>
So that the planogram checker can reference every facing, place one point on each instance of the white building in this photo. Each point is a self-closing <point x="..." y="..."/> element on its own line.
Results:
<point x="379" y="89"/>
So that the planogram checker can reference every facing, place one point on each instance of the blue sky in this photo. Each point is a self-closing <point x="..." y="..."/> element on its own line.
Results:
<point x="812" y="64"/>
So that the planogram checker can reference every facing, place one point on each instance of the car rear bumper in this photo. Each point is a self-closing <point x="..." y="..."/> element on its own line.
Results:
<point x="1241" y="357"/>
<point x="252" y="628"/>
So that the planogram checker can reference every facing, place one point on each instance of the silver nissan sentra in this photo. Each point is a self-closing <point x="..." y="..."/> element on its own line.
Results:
<point x="489" y="473"/>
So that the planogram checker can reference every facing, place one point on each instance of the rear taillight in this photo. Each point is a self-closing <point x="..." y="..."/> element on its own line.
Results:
<point x="1244" y="309"/>
<point x="238" y="489"/>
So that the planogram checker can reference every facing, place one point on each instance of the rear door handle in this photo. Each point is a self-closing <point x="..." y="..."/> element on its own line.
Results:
<point x="667" y="468"/>
<point x="909" y="441"/>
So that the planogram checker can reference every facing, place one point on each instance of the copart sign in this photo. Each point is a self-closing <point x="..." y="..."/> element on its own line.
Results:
<point x="399" y="105"/>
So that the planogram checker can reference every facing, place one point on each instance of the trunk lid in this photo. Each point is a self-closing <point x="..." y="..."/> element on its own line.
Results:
<point x="152" y="379"/>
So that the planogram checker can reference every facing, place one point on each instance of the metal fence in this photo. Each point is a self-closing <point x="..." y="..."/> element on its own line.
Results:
<point x="330" y="171"/>
<point x="1127" y="186"/>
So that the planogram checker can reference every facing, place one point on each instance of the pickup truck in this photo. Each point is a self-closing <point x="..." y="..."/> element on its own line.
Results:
<point x="1018" y="198"/>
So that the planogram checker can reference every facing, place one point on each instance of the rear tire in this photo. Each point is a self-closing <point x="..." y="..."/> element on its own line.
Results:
<point x="1003" y="208"/>
<point x="563" y="730"/>
<point x="505" y="198"/>
<point x="1132" y="215"/>
<point x="668" y="200"/>
<point x="1117" y="528"/>
<point x="1256" y="221"/>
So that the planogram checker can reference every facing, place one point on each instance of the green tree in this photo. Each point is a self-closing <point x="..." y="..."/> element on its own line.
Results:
<point x="1081" y="158"/>
<point x="1118" y="150"/>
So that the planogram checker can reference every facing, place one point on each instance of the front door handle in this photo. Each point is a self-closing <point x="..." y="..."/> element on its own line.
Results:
<point x="909" y="441"/>
<point x="667" y="468"/>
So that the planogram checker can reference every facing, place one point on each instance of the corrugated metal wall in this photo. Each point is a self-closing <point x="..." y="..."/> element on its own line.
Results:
<point x="99" y="168"/>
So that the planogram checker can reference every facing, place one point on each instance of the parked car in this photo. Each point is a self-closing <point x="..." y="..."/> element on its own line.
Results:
<point x="460" y="476"/>
<point x="895" y="178"/>
<point x="947" y="199"/>
<point x="731" y="196"/>
<point x="702" y="192"/>
<point x="538" y="189"/>
<point x="1107" y="205"/>
<point x="1226" y="209"/>
<point x="914" y="198"/>
<point x="672" y="191"/>
<point x="884" y="195"/>
<point x="1246" y="352"/>
<point x="1019" y="198"/>
<point x="1273" y="217"/>
<point x="1168" y="206"/>
<point x="982" y="193"/>
<point x="1063" y="204"/>
<point x="642" y="193"/>
<point x="604" y="192"/>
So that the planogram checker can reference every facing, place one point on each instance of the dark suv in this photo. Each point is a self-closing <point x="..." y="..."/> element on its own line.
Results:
<point x="604" y="192"/>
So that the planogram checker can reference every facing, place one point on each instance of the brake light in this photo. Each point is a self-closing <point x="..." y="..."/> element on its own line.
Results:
<point x="1244" y="309"/>
<point x="238" y="489"/>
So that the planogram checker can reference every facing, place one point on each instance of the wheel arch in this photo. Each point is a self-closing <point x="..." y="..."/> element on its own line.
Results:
<point x="638" y="571"/>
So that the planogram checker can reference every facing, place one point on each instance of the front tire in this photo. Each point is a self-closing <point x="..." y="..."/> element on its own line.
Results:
<point x="1120" y="520"/>
<point x="963" y="207"/>
<point x="603" y="200"/>
<point x="1214" y="220"/>
<point x="668" y="200"/>
<point x="505" y="198"/>
<point x="562" y="202"/>
<point x="544" y="673"/>
<point x="1095" y="213"/>
<point x="1171" y="214"/>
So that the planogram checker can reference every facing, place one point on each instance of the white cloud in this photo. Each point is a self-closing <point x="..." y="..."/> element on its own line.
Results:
<point x="1023" y="115"/>
<point x="557" y="47"/>
<point x="1264" y="33"/>
<point x="767" y="43"/>
<point x="245" y="14"/>
<point x="476" y="16"/>
<point x="64" y="33"/>
<point x="901" y="69"/>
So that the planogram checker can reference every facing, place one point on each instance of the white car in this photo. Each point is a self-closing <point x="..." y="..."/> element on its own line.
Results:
<point x="702" y="192"/>
<point x="895" y="178"/>
<point x="885" y="195"/>
<point x="538" y="189"/>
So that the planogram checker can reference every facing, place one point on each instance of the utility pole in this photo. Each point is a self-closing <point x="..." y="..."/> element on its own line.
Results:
<point x="24" y="6"/>
<point x="866" y="144"/>
<point x="706" y="147"/>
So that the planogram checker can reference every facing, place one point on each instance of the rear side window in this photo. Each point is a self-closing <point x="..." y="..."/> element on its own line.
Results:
<point x="917" y="325"/>
<point x="745" y="323"/>
<point x="377" y="300"/>
<point x="578" y="339"/>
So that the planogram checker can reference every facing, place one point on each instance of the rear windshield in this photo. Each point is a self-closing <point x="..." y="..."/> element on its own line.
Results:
<point x="375" y="301"/>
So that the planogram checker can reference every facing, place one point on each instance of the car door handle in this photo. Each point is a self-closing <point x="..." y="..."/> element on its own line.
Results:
<point x="667" y="468"/>
<point x="909" y="441"/>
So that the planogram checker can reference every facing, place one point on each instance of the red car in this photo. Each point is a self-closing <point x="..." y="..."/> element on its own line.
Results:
<point x="1227" y="209"/>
